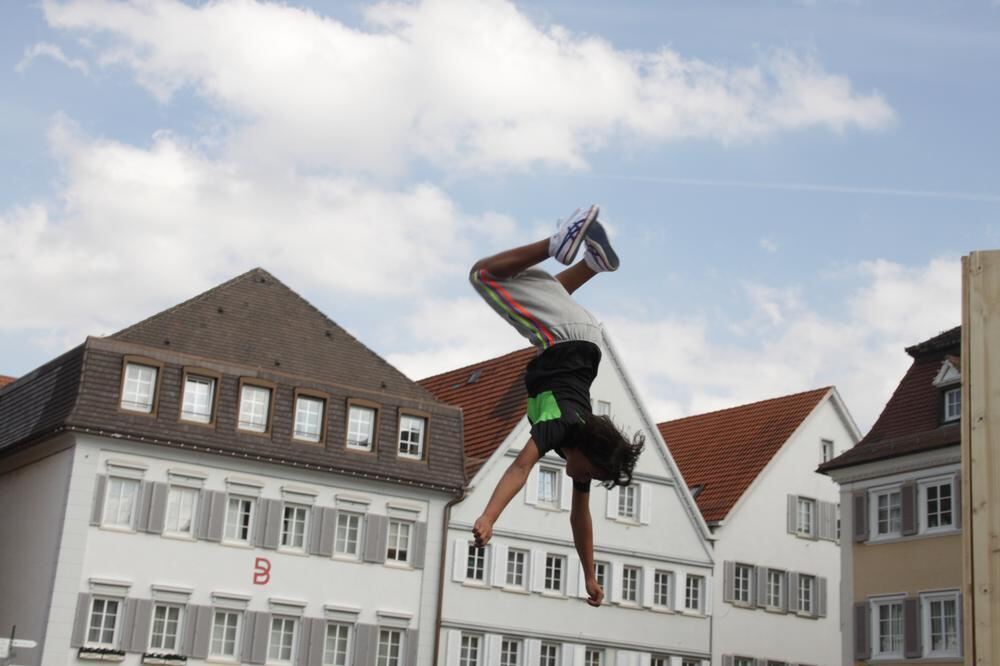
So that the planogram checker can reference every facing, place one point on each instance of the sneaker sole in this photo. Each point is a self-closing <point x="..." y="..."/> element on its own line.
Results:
<point x="600" y="245"/>
<point x="566" y="254"/>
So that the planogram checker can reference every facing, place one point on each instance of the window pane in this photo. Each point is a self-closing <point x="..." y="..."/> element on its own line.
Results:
<point x="361" y="428"/>
<point x="255" y="402"/>
<point x="411" y="435"/>
<point x="198" y="394"/>
<point x="139" y="388"/>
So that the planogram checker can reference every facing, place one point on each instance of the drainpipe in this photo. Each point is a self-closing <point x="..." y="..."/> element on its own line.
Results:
<point x="444" y="555"/>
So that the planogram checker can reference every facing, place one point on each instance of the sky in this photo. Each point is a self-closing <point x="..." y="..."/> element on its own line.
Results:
<point x="791" y="185"/>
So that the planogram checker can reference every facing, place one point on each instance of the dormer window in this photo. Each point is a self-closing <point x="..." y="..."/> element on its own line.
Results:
<point x="952" y="404"/>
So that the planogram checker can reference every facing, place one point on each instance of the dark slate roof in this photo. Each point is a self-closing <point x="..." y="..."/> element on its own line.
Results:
<point x="912" y="419"/>
<point x="722" y="452"/>
<point x="260" y="321"/>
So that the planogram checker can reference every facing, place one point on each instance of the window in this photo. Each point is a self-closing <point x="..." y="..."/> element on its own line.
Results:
<point x="805" y="516"/>
<point x="255" y="405"/>
<point x="166" y="628"/>
<point x="806" y="594"/>
<point x="469" y="655"/>
<point x="510" y="652"/>
<point x="659" y="661"/>
<point x="887" y="630"/>
<point x="475" y="568"/>
<point x="181" y="503"/>
<point x="554" y="566"/>
<point x="887" y="507"/>
<point x="936" y="504"/>
<point x="139" y="388"/>
<point x="411" y="436"/>
<point x="119" y="505"/>
<point x="337" y="646"/>
<point x="775" y="589"/>
<point x="548" y="486"/>
<point x="390" y="647"/>
<point x="826" y="446"/>
<point x="690" y="662"/>
<point x="953" y="404"/>
<point x="593" y="657"/>
<point x="280" y="647"/>
<point x="602" y="408"/>
<point x="361" y="428"/>
<point x="630" y="584"/>
<point x="103" y="622"/>
<point x="309" y="418"/>
<point x="661" y="589"/>
<point x="626" y="502"/>
<point x="199" y="393"/>
<point x="601" y="570"/>
<point x="515" y="567"/>
<point x="742" y="577"/>
<point x="239" y="514"/>
<point x="941" y="628"/>
<point x="348" y="534"/>
<point x="293" y="526"/>
<point x="225" y="634"/>
<point x="549" y="655"/>
<point x="399" y="541"/>
<point x="693" y="593"/>
<point x="743" y="661"/>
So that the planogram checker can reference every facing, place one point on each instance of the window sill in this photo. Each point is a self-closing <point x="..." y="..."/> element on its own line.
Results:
<point x="294" y="552"/>
<point x="742" y="604"/>
<point x="807" y="537"/>
<point x="776" y="611"/>
<point x="476" y="584"/>
<point x="691" y="613"/>
<point x="394" y="564"/>
<point x="179" y="537"/>
<point x="632" y="522"/>
<point x="346" y="558"/>
<point x="241" y="545"/>
<point x="218" y="659"/>
<point x="100" y="654"/>
<point x="662" y="609"/>
<point x="548" y="507"/>
<point x="121" y="529"/>
<point x="553" y="595"/>
<point x="515" y="590"/>
<point x="805" y="615"/>
<point x="630" y="605"/>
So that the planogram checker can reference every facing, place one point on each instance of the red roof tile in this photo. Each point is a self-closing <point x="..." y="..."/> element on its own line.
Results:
<point x="4" y="380"/>
<point x="724" y="451"/>
<point x="492" y="396"/>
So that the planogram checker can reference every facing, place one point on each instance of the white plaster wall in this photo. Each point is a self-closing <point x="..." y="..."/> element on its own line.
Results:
<point x="33" y="488"/>
<point x="756" y="533"/>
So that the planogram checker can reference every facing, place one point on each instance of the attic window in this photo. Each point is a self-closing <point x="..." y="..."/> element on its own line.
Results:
<point x="474" y="377"/>
<point x="140" y="380"/>
<point x="696" y="490"/>
<point x="952" y="405"/>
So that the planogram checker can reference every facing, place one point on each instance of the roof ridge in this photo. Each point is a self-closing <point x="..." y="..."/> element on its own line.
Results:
<point x="823" y="389"/>
<point x="470" y="366"/>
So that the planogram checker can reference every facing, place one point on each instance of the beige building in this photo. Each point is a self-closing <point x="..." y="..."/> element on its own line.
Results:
<point x="901" y="527"/>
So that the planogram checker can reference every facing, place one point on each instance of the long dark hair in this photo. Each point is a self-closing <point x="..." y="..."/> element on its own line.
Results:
<point x="608" y="449"/>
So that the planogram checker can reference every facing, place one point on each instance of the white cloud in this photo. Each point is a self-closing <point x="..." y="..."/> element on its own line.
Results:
<point x="46" y="50"/>
<point x="768" y="245"/>
<point x="461" y="83"/>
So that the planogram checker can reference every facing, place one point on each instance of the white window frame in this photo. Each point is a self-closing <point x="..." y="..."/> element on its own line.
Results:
<point x="549" y="654"/>
<point x="827" y="450"/>
<point x="555" y="572"/>
<point x="117" y="521"/>
<point x="556" y="480"/>
<point x="344" y="520"/>
<point x="517" y="566"/>
<point x="355" y="423"/>
<point x="214" y="639"/>
<point x="307" y="409"/>
<point x="476" y="564"/>
<point x="806" y="592"/>
<point x="115" y="630"/>
<point x="628" y="502"/>
<point x="602" y="408"/>
<point x="776" y="582"/>
<point x="657" y="660"/>
<point x="249" y="418"/>
<point x="925" y="617"/>
<point x="663" y="578"/>
<point x="348" y="639"/>
<point x="280" y="647"/>
<point x="400" y="542"/>
<point x="249" y="522"/>
<point x="175" y="511"/>
<point x="922" y="487"/>
<point x="742" y="594"/>
<point x="805" y="516"/>
<point x="952" y="409"/>
<point x="593" y="656"/>
<point x="178" y="628"/>
<point x="743" y="661"/>
<point x="194" y="401"/>
<point x="602" y="569"/>
<point x="288" y="538"/>
<point x="695" y="584"/>
<point x="470" y="650"/>
<point x="386" y="658"/>
<point x="631" y="591"/>
<point x="511" y="657"/>
<point x="875" y="626"/>
<point x="873" y="509"/>
<point x="139" y="377"/>
<point x="406" y="427"/>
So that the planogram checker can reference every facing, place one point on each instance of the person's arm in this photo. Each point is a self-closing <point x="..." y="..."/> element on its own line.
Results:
<point x="583" y="537"/>
<point x="510" y="483"/>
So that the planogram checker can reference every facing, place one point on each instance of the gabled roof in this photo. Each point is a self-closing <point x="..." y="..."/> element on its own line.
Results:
<point x="724" y="451"/>
<point x="492" y="396"/>
<point x="4" y="380"/>
<point x="251" y="319"/>
<point x="912" y="419"/>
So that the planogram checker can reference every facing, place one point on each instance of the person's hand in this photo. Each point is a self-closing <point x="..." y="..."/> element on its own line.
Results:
<point x="482" y="530"/>
<point x="595" y="593"/>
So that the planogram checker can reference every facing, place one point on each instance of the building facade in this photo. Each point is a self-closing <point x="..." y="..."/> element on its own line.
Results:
<point x="901" y="537"/>
<point x="774" y="524"/>
<point x="234" y="480"/>
<point x="521" y="600"/>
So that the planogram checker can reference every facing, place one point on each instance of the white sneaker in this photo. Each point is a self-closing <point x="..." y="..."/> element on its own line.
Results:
<point x="599" y="255"/>
<point x="566" y="241"/>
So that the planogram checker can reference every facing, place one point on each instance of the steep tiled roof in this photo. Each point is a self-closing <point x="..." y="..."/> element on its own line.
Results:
<point x="41" y="401"/>
<point x="492" y="396"/>
<point x="724" y="451"/>
<point x="912" y="419"/>
<point x="4" y="380"/>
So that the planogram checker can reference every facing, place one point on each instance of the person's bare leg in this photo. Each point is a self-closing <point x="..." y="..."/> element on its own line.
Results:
<point x="575" y="276"/>
<point x="511" y="262"/>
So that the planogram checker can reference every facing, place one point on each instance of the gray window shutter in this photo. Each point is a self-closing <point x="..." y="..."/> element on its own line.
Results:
<point x="956" y="500"/>
<point x="376" y="536"/>
<point x="188" y="626"/>
<point x="143" y="618"/>
<point x="791" y="592"/>
<point x="315" y="529"/>
<point x="366" y="645"/>
<point x="328" y="533"/>
<point x="81" y="620"/>
<point x="827" y="521"/>
<point x="419" y="545"/>
<point x="861" y="646"/>
<point x="911" y="628"/>
<point x="761" y="575"/>
<point x="727" y="660"/>
<point x="861" y="516"/>
<point x="261" y="633"/>
<point x="304" y="641"/>
<point x="793" y="506"/>
<point x="127" y="624"/>
<point x="216" y="517"/>
<point x="909" y="506"/>
<point x="729" y="582"/>
<point x="202" y="621"/>
<point x="140" y="519"/>
<point x="412" y="643"/>
<point x="317" y="642"/>
<point x="821" y="592"/>
<point x="272" y="528"/>
<point x="97" y="505"/>
<point x="158" y="508"/>
<point x="246" y="640"/>
<point x="201" y="514"/>
<point x="259" y="524"/>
